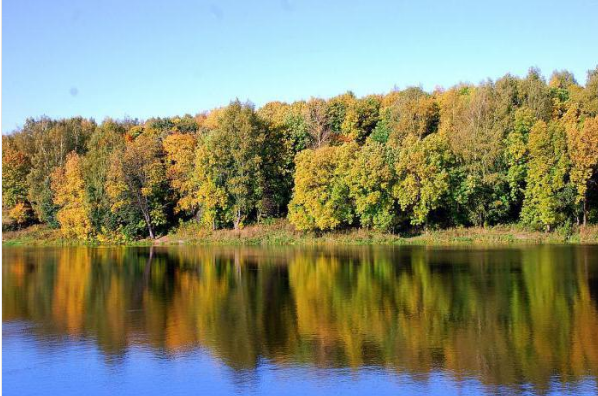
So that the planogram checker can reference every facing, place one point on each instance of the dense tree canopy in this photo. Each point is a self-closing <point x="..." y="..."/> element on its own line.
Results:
<point x="514" y="150"/>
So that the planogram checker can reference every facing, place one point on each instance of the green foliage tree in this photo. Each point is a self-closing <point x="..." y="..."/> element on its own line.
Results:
<point x="211" y="195"/>
<point x="235" y="153"/>
<point x="51" y="142"/>
<point x="371" y="179"/>
<point x="548" y="166"/>
<point x="517" y="155"/>
<point x="137" y="185"/>
<point x="108" y="138"/>
<point x="476" y="136"/>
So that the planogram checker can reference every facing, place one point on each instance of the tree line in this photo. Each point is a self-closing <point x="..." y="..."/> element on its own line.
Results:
<point x="514" y="150"/>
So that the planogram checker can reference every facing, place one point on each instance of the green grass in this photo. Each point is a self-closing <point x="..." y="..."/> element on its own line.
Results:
<point x="280" y="232"/>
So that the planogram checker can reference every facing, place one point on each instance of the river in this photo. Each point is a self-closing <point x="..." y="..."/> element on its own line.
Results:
<point x="304" y="321"/>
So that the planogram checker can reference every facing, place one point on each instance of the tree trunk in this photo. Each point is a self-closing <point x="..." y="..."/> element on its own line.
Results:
<point x="237" y="221"/>
<point x="585" y="212"/>
<point x="151" y="231"/>
<point x="148" y="221"/>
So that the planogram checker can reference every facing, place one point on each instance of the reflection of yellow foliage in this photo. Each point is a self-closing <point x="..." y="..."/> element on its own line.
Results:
<point x="323" y="307"/>
<point x="71" y="290"/>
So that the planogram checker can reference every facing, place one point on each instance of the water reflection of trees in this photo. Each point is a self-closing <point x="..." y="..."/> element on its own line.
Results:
<point x="505" y="317"/>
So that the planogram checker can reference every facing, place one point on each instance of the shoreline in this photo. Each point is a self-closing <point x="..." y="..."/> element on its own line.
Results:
<point x="281" y="233"/>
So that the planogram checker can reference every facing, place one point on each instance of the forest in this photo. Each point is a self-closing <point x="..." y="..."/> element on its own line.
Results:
<point x="518" y="150"/>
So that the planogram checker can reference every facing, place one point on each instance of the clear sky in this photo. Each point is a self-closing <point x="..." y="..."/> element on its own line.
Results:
<point x="142" y="58"/>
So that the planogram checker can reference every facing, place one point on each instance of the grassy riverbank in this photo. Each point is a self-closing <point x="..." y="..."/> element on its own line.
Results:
<point x="280" y="232"/>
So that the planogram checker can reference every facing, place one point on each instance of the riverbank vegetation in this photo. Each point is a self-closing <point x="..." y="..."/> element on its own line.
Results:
<point x="282" y="233"/>
<point x="516" y="153"/>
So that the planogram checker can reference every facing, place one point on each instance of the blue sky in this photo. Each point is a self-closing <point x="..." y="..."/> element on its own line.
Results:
<point x="142" y="58"/>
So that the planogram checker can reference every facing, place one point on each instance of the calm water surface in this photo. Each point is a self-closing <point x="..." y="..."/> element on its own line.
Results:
<point x="192" y="320"/>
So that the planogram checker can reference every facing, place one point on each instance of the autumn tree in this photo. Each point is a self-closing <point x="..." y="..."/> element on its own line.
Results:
<point x="361" y="117"/>
<point x="371" y="180"/>
<point x="210" y="194"/>
<point x="408" y="112"/>
<point x="317" y="122"/>
<point x="15" y="167"/>
<point x="517" y="155"/>
<point x="336" y="111"/>
<point x="321" y="196"/>
<point x="179" y="149"/>
<point x="51" y="142"/>
<point x="20" y="214"/>
<point x="235" y="153"/>
<point x="287" y="134"/>
<point x="470" y="122"/>
<point x="423" y="175"/>
<point x="583" y="149"/>
<point x="70" y="197"/>
<point x="534" y="94"/>
<point x="548" y="165"/>
<point x="588" y="97"/>
<point x="108" y="138"/>
<point x="136" y="185"/>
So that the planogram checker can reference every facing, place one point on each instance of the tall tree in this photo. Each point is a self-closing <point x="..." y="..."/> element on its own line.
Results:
<point x="235" y="151"/>
<point x="108" y="138"/>
<point x="137" y="182"/>
<point x="15" y="167"/>
<point x="70" y="197"/>
<point x="476" y="136"/>
<point x="210" y="195"/>
<point x="548" y="166"/>
<point x="423" y="175"/>
<point x="321" y="199"/>
<point x="52" y="141"/>
<point x="409" y="112"/>
<point x="317" y="122"/>
<point x="371" y="180"/>
<point x="179" y="149"/>
<point x="517" y="155"/>
<point x="583" y="149"/>
<point x="361" y="118"/>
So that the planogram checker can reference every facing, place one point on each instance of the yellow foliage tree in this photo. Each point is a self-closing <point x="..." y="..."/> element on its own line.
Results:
<point x="423" y="178"/>
<point x="180" y="154"/>
<point x="69" y="195"/>
<point x="583" y="152"/>
<point x="371" y="180"/>
<point x="321" y="195"/>
<point x="20" y="213"/>
<point x="210" y="198"/>
<point x="548" y="165"/>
